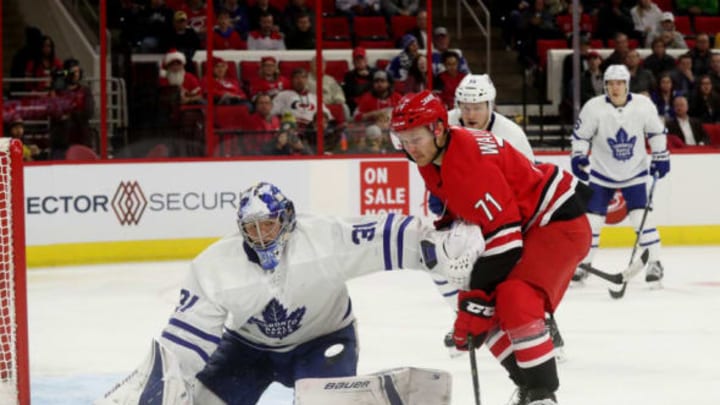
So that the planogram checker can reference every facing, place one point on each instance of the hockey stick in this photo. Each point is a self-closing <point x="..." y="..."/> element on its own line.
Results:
<point x="620" y="293"/>
<point x="622" y="277"/>
<point x="473" y="368"/>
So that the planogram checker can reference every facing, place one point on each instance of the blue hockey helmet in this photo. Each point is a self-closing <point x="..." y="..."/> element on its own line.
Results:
<point x="265" y="218"/>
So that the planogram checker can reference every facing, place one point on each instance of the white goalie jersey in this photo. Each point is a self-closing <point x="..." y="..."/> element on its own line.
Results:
<point x="304" y="298"/>
<point x="501" y="127"/>
<point x="616" y="137"/>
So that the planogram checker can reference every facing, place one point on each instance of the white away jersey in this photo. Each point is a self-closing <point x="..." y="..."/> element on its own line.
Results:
<point x="501" y="127"/>
<point x="306" y="296"/>
<point x="616" y="137"/>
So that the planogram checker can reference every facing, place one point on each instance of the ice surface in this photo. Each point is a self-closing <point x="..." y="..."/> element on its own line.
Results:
<point x="91" y="325"/>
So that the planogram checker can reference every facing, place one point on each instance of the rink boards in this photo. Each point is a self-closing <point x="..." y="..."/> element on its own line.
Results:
<point x="151" y="210"/>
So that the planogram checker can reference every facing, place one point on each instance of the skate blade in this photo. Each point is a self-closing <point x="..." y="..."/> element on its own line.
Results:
<point x="655" y="285"/>
<point x="455" y="353"/>
<point x="560" y="355"/>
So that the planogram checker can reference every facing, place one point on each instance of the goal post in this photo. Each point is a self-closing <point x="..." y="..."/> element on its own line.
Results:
<point x="14" y="361"/>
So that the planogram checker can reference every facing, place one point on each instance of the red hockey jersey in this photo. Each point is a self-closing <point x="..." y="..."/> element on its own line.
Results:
<point x="485" y="181"/>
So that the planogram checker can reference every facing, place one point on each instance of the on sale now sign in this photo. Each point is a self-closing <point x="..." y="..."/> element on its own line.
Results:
<point x="384" y="187"/>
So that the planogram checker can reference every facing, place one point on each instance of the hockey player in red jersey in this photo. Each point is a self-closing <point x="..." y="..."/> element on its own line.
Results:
<point x="532" y="217"/>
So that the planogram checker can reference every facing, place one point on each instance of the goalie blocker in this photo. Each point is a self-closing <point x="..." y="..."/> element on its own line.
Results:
<point x="398" y="386"/>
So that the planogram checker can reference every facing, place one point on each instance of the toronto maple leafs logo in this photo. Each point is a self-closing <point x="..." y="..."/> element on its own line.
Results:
<point x="276" y="322"/>
<point x="622" y="146"/>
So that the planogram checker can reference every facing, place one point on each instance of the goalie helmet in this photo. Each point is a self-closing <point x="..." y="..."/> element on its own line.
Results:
<point x="475" y="89"/>
<point x="617" y="72"/>
<point x="415" y="110"/>
<point x="258" y="204"/>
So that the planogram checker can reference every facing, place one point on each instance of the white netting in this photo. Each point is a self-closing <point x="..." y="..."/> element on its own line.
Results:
<point x="8" y="325"/>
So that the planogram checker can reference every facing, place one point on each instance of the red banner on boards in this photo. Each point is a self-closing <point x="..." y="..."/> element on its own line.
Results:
<point x="384" y="187"/>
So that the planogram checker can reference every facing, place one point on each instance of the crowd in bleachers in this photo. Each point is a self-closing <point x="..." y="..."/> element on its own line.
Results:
<point x="692" y="78"/>
<point x="355" y="95"/>
<point x="47" y="104"/>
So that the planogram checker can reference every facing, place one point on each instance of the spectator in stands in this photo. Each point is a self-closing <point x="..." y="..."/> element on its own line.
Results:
<point x="567" y="72"/>
<point x="358" y="7"/>
<point x="615" y="18"/>
<point x="670" y="36"/>
<point x="535" y="22"/>
<point x="700" y="54"/>
<point x="663" y="96"/>
<point x="262" y="126"/>
<point x="400" y="7"/>
<point x="618" y="56"/>
<point x="175" y="75"/>
<point x="15" y="128"/>
<point x="359" y="79"/>
<point x="21" y="58"/>
<point x="715" y="70"/>
<point x="696" y="7"/>
<point x="196" y="13"/>
<point x="239" y="16"/>
<point x="447" y="81"/>
<point x="441" y="44"/>
<point x="705" y="102"/>
<point x="300" y="101"/>
<point x="263" y="7"/>
<point x="683" y="77"/>
<point x="153" y="28"/>
<point x="591" y="80"/>
<point x="419" y="31"/>
<point x="268" y="37"/>
<point x="641" y="79"/>
<point x="269" y="80"/>
<point x="659" y="61"/>
<point x="646" y="16"/>
<point x="224" y="34"/>
<point x="379" y="101"/>
<point x="73" y="126"/>
<point x="369" y="142"/>
<point x="417" y="77"/>
<point x="287" y="141"/>
<point x="183" y="38"/>
<point x="331" y="90"/>
<point x="225" y="89"/>
<point x="42" y="64"/>
<point x="688" y="129"/>
<point x="400" y="64"/>
<point x="301" y="35"/>
<point x="293" y="10"/>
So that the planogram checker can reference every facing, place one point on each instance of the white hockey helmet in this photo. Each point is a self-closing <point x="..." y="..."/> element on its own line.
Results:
<point x="475" y="89"/>
<point x="617" y="72"/>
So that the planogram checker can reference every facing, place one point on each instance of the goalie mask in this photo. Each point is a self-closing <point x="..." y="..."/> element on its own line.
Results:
<point x="265" y="218"/>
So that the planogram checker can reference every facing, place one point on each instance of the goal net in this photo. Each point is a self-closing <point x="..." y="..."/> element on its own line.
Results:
<point x="14" y="373"/>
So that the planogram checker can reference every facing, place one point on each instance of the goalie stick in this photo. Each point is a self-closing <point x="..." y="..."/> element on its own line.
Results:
<point x="617" y="294"/>
<point x="623" y="277"/>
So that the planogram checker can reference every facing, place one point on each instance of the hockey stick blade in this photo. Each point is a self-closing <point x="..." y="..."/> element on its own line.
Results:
<point x="622" y="277"/>
<point x="629" y="273"/>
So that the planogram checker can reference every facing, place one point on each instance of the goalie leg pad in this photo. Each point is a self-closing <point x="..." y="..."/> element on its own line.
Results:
<point x="158" y="380"/>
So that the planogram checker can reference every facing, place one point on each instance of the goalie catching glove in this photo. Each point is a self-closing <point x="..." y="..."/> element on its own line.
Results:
<point x="475" y="318"/>
<point x="453" y="253"/>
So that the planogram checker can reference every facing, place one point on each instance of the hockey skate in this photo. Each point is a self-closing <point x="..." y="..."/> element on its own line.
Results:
<point x="537" y="396"/>
<point x="654" y="275"/>
<point x="450" y="344"/>
<point x="579" y="276"/>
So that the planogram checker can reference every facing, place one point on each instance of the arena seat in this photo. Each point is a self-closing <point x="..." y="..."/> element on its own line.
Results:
<point x="80" y="152"/>
<point x="376" y="44"/>
<point x="231" y="116"/>
<point x="707" y="24"/>
<point x="287" y="66"/>
<point x="336" y="28"/>
<point x="330" y="44"/>
<point x="400" y="24"/>
<point x="249" y="70"/>
<point x="338" y="112"/>
<point x="544" y="45"/>
<point x="682" y="25"/>
<point x="336" y="69"/>
<point x="713" y="131"/>
<point x="370" y="28"/>
<point x="564" y="22"/>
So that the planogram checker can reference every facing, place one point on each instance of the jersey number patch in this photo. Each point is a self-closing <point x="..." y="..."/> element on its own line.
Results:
<point x="187" y="300"/>
<point x="486" y="203"/>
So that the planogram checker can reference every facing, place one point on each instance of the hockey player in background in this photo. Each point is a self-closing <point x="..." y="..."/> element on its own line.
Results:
<point x="270" y="303"/>
<point x="535" y="231"/>
<point x="614" y="127"/>
<point x="474" y="104"/>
